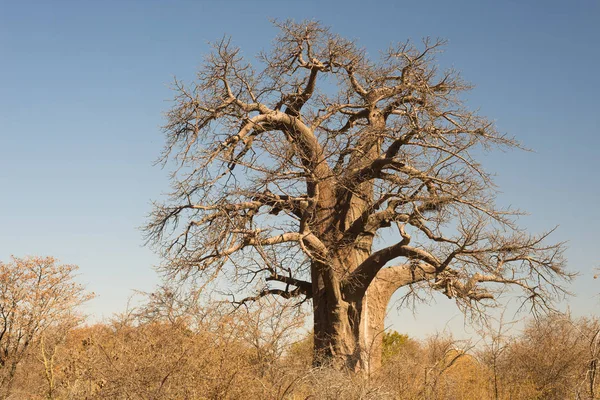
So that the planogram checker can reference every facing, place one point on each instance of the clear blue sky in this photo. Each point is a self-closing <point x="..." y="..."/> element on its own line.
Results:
<point x="83" y="86"/>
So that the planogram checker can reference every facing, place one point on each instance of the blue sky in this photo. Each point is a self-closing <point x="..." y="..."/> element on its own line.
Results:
<point x="83" y="86"/>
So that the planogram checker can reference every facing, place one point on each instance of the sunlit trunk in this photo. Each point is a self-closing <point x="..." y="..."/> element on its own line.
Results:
<point x="349" y="331"/>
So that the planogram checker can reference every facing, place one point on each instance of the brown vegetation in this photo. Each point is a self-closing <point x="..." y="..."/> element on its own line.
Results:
<point x="38" y="298"/>
<point x="220" y="353"/>
<point x="172" y="348"/>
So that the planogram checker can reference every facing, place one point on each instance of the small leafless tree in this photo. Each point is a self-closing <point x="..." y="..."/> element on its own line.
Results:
<point x="589" y="330"/>
<point x="496" y="342"/>
<point x="36" y="294"/>
<point x="290" y="170"/>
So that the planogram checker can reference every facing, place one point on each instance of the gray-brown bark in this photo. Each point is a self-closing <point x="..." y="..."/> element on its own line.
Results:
<point x="320" y="191"/>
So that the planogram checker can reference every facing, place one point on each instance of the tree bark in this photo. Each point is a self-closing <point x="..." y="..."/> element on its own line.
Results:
<point x="349" y="332"/>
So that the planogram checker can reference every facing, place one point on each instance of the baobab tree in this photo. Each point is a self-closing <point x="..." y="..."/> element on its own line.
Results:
<point x="340" y="179"/>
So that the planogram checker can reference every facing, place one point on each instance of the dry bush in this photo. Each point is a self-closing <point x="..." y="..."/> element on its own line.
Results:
<point x="166" y="349"/>
<point x="38" y="299"/>
<point x="552" y="358"/>
<point x="223" y="354"/>
<point x="152" y="361"/>
<point x="331" y="384"/>
<point x="437" y="368"/>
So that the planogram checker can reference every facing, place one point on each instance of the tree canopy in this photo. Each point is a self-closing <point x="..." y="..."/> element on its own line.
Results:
<point x="340" y="178"/>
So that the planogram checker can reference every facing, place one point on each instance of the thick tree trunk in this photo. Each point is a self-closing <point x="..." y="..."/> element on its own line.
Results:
<point x="348" y="328"/>
<point x="348" y="333"/>
<point x="336" y="336"/>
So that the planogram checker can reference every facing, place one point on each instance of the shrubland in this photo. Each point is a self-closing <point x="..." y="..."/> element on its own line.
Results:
<point x="169" y="349"/>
